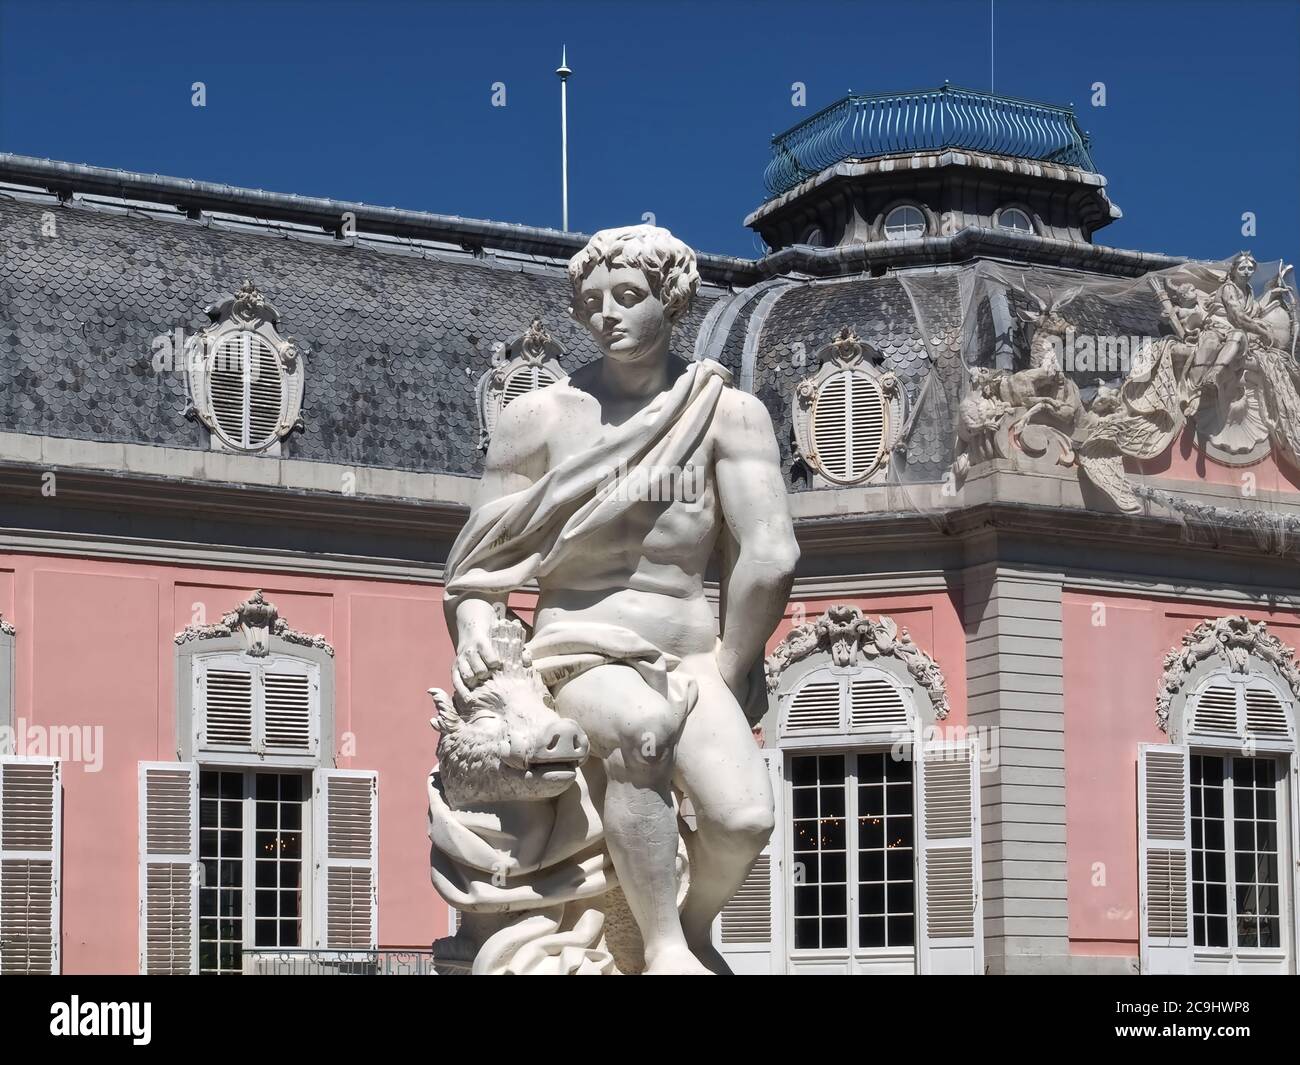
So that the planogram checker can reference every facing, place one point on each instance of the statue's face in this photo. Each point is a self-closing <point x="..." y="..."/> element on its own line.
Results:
<point x="1245" y="269"/>
<point x="622" y="313"/>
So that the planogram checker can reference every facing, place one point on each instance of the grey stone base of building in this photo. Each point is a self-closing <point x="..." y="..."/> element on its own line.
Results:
<point x="1059" y="965"/>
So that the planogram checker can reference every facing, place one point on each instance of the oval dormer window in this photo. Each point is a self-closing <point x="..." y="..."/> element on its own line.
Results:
<point x="247" y="391"/>
<point x="245" y="380"/>
<point x="1014" y="219"/>
<point x="905" y="223"/>
<point x="848" y="426"/>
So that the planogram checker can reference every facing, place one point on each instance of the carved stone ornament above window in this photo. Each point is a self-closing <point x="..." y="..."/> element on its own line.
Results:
<point x="6" y="628"/>
<point x="256" y="620"/>
<point x="245" y="379"/>
<point x="1234" y="641"/>
<point x="847" y="417"/>
<point x="528" y="362"/>
<point x="851" y="638"/>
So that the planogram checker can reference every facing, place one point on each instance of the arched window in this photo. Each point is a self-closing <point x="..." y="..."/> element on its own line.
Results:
<point x="905" y="222"/>
<point x="528" y="362"/>
<point x="1217" y="808"/>
<point x="847" y="417"/>
<point x="1016" y="220"/>
<point x="286" y="844"/>
<point x="245" y="380"/>
<point x="874" y="863"/>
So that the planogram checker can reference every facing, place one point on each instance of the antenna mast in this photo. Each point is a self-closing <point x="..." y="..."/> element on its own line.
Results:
<point x="563" y="71"/>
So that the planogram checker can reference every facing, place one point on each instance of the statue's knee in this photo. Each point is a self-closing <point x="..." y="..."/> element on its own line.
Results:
<point x="651" y="740"/>
<point x="746" y="827"/>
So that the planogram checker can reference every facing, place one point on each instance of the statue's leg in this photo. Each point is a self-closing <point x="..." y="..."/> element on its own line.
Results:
<point x="720" y="767"/>
<point x="635" y="732"/>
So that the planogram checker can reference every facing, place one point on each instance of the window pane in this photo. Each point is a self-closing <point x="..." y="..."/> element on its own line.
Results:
<point x="1248" y="916"/>
<point x="220" y="856"/>
<point x="1209" y="879"/>
<point x="279" y="852"/>
<point x="818" y="840"/>
<point x="885" y="840"/>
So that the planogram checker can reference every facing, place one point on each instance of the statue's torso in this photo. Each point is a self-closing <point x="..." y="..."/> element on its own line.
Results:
<point x="645" y="570"/>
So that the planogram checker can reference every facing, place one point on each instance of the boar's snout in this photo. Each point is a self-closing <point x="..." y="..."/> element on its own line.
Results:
<point x="561" y="740"/>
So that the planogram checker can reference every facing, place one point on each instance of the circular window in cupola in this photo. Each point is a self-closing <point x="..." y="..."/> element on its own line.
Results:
<point x="906" y="222"/>
<point x="1015" y="220"/>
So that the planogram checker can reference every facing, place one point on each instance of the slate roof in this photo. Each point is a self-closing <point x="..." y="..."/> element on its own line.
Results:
<point x="396" y="337"/>
<point x="395" y="343"/>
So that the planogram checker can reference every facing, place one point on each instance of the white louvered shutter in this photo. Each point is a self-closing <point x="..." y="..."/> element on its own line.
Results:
<point x="1216" y="711"/>
<point x="1165" y="873"/>
<point x="247" y="389"/>
<point x="950" y="910"/>
<point x="169" y="875"/>
<point x="31" y="809"/>
<point x="1265" y="716"/>
<point x="817" y="705"/>
<point x="875" y="705"/>
<point x="848" y="426"/>
<point x="225" y="691"/>
<point x="226" y="386"/>
<point x="347" y="858"/>
<point x="266" y="388"/>
<point x="290" y="692"/>
<point x="750" y="931"/>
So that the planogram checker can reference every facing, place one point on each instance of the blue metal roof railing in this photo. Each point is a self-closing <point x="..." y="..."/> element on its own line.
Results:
<point x="859" y="127"/>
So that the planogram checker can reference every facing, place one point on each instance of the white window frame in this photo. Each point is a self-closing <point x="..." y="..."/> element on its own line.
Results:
<point x="1031" y="230"/>
<point x="925" y="954"/>
<point x="1180" y="954"/>
<point x="852" y="957"/>
<point x="248" y="859"/>
<point x="1235" y="958"/>
<point x="886" y="225"/>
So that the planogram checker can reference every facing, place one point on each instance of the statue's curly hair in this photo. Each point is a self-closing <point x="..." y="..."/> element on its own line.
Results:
<point x="669" y="265"/>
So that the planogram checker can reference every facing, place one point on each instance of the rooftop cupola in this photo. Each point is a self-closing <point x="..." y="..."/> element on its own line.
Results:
<point x="900" y="176"/>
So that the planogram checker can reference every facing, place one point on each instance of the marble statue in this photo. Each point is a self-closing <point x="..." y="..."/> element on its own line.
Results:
<point x="613" y="490"/>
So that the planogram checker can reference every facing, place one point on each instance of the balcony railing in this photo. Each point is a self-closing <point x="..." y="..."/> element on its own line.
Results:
<point x="860" y="127"/>
<point x="305" y="962"/>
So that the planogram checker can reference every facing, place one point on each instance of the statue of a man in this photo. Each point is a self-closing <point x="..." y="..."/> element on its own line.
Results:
<point x="613" y="491"/>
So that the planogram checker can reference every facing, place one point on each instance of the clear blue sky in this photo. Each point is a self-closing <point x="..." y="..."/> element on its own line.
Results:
<point x="672" y="104"/>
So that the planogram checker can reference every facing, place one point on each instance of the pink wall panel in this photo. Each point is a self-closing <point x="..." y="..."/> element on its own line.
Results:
<point x="1111" y="673"/>
<point x="400" y="648"/>
<point x="95" y="643"/>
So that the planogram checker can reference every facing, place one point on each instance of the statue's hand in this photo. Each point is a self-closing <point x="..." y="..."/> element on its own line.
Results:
<point x="476" y="658"/>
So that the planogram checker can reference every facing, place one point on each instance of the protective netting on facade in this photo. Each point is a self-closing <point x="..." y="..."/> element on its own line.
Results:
<point x="1175" y="394"/>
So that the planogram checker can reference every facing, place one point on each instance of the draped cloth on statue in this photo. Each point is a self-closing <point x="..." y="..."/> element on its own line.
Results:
<point x="526" y="535"/>
<point x="539" y="857"/>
